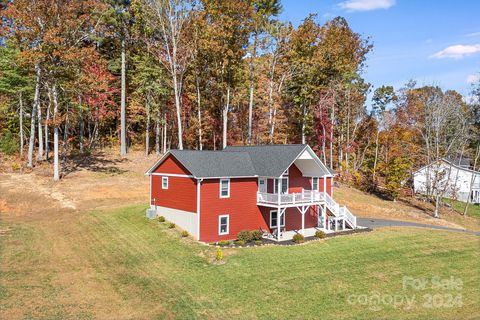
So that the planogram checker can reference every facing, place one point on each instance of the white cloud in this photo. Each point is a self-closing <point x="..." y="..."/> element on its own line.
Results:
<point x="473" y="34"/>
<point x="457" y="51"/>
<point x="473" y="78"/>
<point x="366" y="5"/>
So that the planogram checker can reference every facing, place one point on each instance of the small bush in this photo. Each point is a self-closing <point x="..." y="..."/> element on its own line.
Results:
<point x="320" y="234"/>
<point x="240" y="243"/>
<point x="8" y="143"/>
<point x="258" y="242"/>
<point x="256" y="235"/>
<point x="219" y="255"/>
<point x="161" y="219"/>
<point x="245" y="236"/>
<point x="298" y="238"/>
<point x="223" y="243"/>
<point x="185" y="234"/>
<point x="171" y="225"/>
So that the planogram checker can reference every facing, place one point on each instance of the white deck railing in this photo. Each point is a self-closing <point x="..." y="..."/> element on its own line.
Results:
<point x="307" y="196"/>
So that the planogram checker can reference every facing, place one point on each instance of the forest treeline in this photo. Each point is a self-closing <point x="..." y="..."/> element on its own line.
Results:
<point x="77" y="76"/>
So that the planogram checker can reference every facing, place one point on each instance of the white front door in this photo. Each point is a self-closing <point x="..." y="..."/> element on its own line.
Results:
<point x="262" y="185"/>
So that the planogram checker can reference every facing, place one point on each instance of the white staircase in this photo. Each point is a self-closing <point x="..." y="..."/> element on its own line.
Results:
<point x="340" y="211"/>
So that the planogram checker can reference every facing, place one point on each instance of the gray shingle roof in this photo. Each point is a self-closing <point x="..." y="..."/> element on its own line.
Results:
<point x="208" y="164"/>
<point x="270" y="160"/>
<point x="239" y="161"/>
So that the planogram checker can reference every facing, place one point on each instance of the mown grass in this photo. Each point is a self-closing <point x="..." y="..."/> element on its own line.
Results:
<point x="146" y="271"/>
<point x="472" y="211"/>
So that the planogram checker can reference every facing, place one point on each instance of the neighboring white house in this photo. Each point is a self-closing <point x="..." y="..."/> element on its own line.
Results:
<point x="455" y="180"/>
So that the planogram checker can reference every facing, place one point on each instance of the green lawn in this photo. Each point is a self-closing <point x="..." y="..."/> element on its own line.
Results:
<point x="473" y="210"/>
<point x="119" y="265"/>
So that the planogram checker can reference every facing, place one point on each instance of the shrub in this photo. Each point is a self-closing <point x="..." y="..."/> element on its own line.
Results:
<point x="245" y="236"/>
<point x="240" y="243"/>
<point x="8" y="143"/>
<point x="298" y="238"/>
<point x="320" y="234"/>
<point x="258" y="242"/>
<point x="223" y="243"/>
<point x="256" y="235"/>
<point x="161" y="219"/>
<point x="171" y="225"/>
<point x="219" y="255"/>
<point x="185" y="234"/>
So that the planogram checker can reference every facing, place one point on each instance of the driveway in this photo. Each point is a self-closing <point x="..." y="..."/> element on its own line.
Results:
<point x="374" y="223"/>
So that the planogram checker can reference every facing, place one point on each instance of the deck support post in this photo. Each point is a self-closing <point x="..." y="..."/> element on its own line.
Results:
<point x="303" y="220"/>
<point x="324" y="211"/>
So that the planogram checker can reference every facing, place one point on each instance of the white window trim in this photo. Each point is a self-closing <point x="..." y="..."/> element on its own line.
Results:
<point x="220" y="233"/>
<point x="318" y="183"/>
<point x="164" y="179"/>
<point x="275" y="183"/>
<point x="270" y="222"/>
<point x="228" y="189"/>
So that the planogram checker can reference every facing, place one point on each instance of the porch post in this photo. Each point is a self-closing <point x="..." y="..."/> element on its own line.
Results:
<point x="343" y="224"/>
<point x="279" y="186"/>
<point x="303" y="220"/>
<point x="324" y="212"/>
<point x="279" y="218"/>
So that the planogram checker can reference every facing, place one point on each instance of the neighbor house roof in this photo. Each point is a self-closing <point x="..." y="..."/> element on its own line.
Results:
<point x="242" y="161"/>
<point x="459" y="167"/>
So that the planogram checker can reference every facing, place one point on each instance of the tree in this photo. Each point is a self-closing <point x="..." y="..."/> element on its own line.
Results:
<point x="382" y="97"/>
<point x="170" y="18"/>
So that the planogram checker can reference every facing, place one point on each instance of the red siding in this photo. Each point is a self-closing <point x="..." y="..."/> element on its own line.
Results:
<point x="296" y="182"/>
<point x="181" y="193"/>
<point x="329" y="186"/>
<point x="241" y="207"/>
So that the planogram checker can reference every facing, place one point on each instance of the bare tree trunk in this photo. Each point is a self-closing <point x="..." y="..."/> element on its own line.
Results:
<point x="472" y="180"/>
<point x="40" y="155"/>
<point x="47" y="119"/>
<point x="331" y="133"/>
<point x="56" y="166"/>
<point x="250" y="113"/>
<point x="199" y="105"/>
<point x="65" y="137"/>
<point x="376" y="155"/>
<point x="82" y="125"/>
<point x="225" y="118"/>
<point x="164" y="147"/>
<point x="437" y="206"/>
<point x="20" y="114"/>
<point x="303" y="123"/>
<point x="147" y="128"/>
<point x="157" y="135"/>
<point x="36" y="101"/>
<point x="123" y="111"/>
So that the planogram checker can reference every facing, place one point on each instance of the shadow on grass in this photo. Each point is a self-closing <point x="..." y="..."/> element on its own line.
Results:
<point x="96" y="162"/>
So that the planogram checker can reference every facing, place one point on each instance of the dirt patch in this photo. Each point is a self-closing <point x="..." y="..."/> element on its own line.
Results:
<point x="103" y="180"/>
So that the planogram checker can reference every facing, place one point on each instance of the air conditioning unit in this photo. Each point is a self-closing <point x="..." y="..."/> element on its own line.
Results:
<point x="151" y="213"/>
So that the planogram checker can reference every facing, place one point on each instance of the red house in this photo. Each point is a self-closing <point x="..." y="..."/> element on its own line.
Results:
<point x="280" y="189"/>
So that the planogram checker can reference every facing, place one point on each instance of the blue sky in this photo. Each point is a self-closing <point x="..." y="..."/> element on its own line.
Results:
<point x="432" y="42"/>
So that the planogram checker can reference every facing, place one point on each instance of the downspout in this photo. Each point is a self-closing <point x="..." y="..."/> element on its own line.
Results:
<point x="199" y="183"/>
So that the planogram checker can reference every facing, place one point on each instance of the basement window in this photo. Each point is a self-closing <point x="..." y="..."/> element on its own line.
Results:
<point x="164" y="182"/>
<point x="223" y="224"/>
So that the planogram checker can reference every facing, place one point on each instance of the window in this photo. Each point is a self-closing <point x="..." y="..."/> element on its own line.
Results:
<point x="224" y="188"/>
<point x="274" y="219"/>
<point x="284" y="185"/>
<point x="223" y="224"/>
<point x="315" y="183"/>
<point x="164" y="182"/>
<point x="262" y="185"/>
